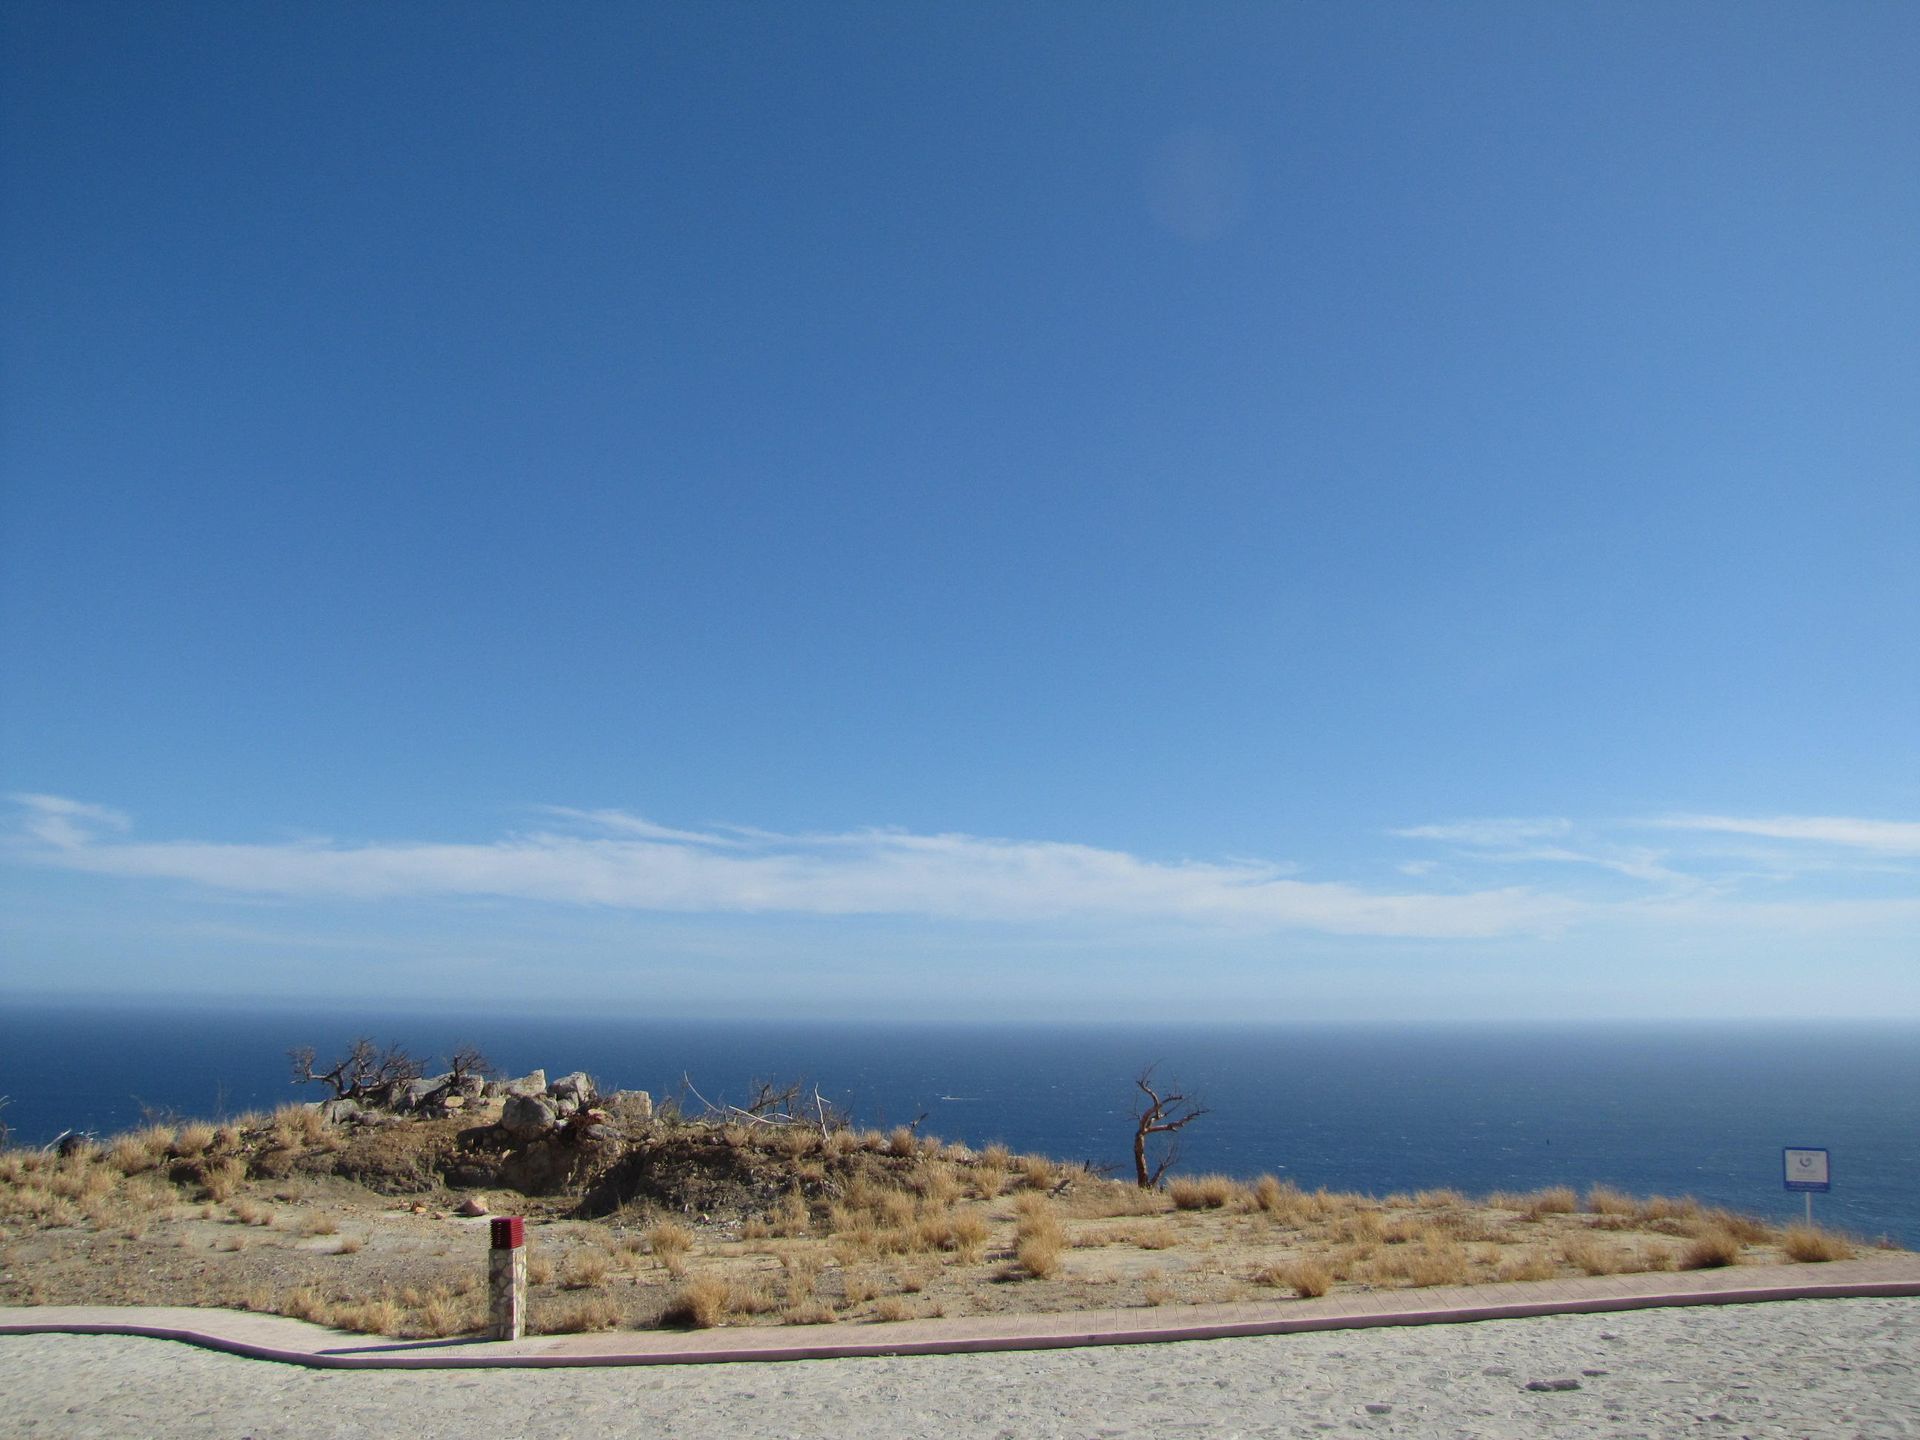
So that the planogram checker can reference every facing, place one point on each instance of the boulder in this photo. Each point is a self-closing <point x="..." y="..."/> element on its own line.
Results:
<point x="579" y="1084"/>
<point x="340" y="1111"/>
<point x="538" y="1168"/>
<point x="526" y="1117"/>
<point x="630" y="1107"/>
<point x="473" y="1205"/>
<point x="534" y="1082"/>
<point x="416" y="1093"/>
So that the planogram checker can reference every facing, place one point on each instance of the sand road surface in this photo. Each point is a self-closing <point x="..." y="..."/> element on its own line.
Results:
<point x="1798" y="1368"/>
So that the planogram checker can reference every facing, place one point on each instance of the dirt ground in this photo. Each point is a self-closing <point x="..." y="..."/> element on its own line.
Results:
<point x="709" y="1222"/>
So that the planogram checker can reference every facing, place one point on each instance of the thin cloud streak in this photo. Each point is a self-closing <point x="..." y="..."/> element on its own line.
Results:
<point x="1489" y="832"/>
<point x="60" y="822"/>
<point x="1892" y="837"/>
<point x="1537" y="842"/>
<point x="643" y="866"/>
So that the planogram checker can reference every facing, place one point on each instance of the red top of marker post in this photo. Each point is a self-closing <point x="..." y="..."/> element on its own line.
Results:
<point x="509" y="1232"/>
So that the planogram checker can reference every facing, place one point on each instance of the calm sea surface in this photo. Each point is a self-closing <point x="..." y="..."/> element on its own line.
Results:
<point x="1672" y="1109"/>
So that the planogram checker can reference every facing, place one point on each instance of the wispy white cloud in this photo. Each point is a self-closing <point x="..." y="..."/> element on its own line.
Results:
<point x="1827" y="867"/>
<point x="628" y="862"/>
<point x="614" y="860"/>
<point x="620" y="822"/>
<point x="1545" y="840"/>
<point x="64" y="824"/>
<point x="1489" y="832"/>
<point x="1889" y="837"/>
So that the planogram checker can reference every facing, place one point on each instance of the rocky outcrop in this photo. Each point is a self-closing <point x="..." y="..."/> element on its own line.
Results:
<point x="629" y="1107"/>
<point x="534" y="1082"/>
<point x="547" y="1136"/>
<point x="573" y="1092"/>
<point x="528" y="1117"/>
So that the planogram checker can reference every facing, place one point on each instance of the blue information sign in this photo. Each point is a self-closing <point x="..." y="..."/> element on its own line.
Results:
<point x="1807" y="1169"/>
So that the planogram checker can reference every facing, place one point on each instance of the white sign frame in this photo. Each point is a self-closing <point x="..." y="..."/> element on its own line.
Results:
<point x="1807" y="1167"/>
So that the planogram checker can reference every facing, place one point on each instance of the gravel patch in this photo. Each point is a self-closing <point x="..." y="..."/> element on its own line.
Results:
<point x="1802" y="1368"/>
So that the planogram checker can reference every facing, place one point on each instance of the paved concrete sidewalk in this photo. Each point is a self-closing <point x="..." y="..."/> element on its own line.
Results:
<point x="274" y="1337"/>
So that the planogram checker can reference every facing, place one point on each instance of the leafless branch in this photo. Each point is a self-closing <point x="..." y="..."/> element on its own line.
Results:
<point x="1160" y="1114"/>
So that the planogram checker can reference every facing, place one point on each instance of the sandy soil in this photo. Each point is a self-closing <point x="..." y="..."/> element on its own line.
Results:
<point x="358" y="1228"/>
<point x="1805" y="1368"/>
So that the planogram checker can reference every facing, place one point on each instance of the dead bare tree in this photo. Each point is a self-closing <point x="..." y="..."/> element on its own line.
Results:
<point x="365" y="1071"/>
<point x="1161" y="1114"/>
<point x="775" y="1101"/>
<point x="467" y="1060"/>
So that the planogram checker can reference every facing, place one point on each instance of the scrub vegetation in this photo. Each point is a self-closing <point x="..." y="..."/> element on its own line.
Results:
<point x="734" y="1219"/>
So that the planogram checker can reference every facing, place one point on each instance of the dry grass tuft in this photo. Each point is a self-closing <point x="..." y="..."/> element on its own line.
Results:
<point x="1276" y="1197"/>
<point x="222" y="1179"/>
<point x="1157" y="1236"/>
<point x="809" y="1312"/>
<point x="440" y="1315"/>
<point x="700" y="1304"/>
<point x="1605" y="1200"/>
<point x="1710" y="1251"/>
<point x="579" y="1315"/>
<point x="1038" y="1242"/>
<point x="708" y="1300"/>
<point x="192" y="1140"/>
<point x="1554" y="1200"/>
<point x="248" y="1213"/>
<point x="1587" y="1255"/>
<point x="1037" y="1172"/>
<point x="964" y="1234"/>
<point x="381" y="1316"/>
<point x="1442" y="1262"/>
<point x="1529" y="1264"/>
<point x="668" y="1241"/>
<point x="1308" y="1279"/>
<point x="1410" y="1230"/>
<point x="792" y="1218"/>
<point x="1744" y="1228"/>
<point x="297" y="1126"/>
<point x="988" y="1181"/>
<point x="585" y="1270"/>
<point x="1809" y="1244"/>
<point x="141" y="1151"/>
<point x="1666" y="1207"/>
<point x="1204" y="1192"/>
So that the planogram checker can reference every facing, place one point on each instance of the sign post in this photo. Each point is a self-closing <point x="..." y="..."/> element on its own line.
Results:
<point x="507" y="1279"/>
<point x="1807" y="1170"/>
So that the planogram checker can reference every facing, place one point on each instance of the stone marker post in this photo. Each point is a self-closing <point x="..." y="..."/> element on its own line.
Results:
<point x="507" y="1279"/>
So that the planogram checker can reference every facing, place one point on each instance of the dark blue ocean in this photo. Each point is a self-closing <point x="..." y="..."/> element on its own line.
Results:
<point x="1675" y="1109"/>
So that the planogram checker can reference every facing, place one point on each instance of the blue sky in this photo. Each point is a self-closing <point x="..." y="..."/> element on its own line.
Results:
<point x="1269" y="512"/>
